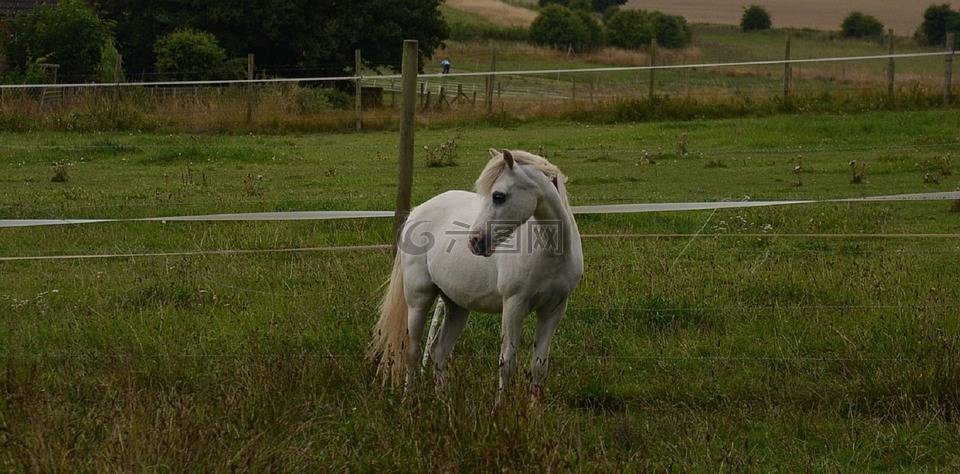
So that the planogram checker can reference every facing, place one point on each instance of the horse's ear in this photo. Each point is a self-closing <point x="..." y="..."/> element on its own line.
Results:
<point x="508" y="157"/>
<point x="494" y="153"/>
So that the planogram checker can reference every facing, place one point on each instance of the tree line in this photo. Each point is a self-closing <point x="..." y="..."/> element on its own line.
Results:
<point x="583" y="25"/>
<point x="193" y="39"/>
<point x="199" y="40"/>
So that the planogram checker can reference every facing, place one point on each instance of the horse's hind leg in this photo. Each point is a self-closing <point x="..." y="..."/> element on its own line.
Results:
<point x="453" y="325"/>
<point x="419" y="301"/>
<point x="548" y="318"/>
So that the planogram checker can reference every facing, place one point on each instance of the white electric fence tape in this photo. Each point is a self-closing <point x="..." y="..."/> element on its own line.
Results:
<point x="327" y="215"/>
<point x="601" y="209"/>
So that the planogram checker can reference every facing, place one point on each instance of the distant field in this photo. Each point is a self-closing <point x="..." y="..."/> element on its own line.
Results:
<point x="496" y="11"/>
<point x="902" y="16"/>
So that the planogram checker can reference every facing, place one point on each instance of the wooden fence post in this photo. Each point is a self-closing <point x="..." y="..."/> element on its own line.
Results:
<point x="948" y="72"/>
<point x="653" y="62"/>
<point x="249" y="89"/>
<point x="787" y="71"/>
<point x="490" y="80"/>
<point x="890" y="66"/>
<point x="117" y="72"/>
<point x="405" y="165"/>
<point x="358" y="89"/>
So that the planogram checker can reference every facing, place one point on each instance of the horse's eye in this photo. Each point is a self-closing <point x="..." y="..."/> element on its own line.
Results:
<point x="499" y="197"/>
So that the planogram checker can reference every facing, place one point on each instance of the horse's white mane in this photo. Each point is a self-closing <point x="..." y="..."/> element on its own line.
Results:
<point x="496" y="165"/>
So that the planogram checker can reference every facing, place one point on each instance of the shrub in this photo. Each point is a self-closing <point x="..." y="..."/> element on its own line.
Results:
<point x="68" y="34"/>
<point x="604" y="5"/>
<point x="560" y="27"/>
<point x="861" y="25"/>
<point x="192" y="55"/>
<point x="755" y="18"/>
<point x="937" y="21"/>
<point x="672" y="31"/>
<point x="630" y="29"/>
<point x="594" y="38"/>
<point x="635" y="28"/>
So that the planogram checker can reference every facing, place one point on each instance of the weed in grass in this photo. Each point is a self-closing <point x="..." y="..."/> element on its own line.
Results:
<point x="444" y="154"/>
<point x="798" y="170"/>
<point x="59" y="173"/>
<point x="605" y="155"/>
<point x="858" y="171"/>
<point x="717" y="163"/>
<point x="683" y="147"/>
<point x="937" y="165"/>
<point x="648" y="157"/>
<point x="253" y="185"/>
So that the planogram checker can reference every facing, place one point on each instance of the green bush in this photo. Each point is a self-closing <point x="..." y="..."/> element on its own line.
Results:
<point x="561" y="27"/>
<point x="594" y="38"/>
<point x="937" y="21"/>
<point x="68" y="34"/>
<point x="672" y="31"/>
<point x="192" y="55"/>
<point x="755" y="18"/>
<point x="635" y="28"/>
<point x="861" y="25"/>
<point x="630" y="29"/>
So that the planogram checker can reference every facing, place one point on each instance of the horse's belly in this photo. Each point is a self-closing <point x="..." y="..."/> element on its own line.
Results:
<point x="468" y="280"/>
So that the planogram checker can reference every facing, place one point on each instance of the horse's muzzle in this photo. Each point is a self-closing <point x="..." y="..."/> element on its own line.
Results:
<point x="480" y="243"/>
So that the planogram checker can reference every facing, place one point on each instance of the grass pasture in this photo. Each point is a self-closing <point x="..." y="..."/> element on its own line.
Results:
<point x="816" y="337"/>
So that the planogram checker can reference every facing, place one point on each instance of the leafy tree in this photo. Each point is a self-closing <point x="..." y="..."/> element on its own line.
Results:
<point x="755" y="18"/>
<point x="561" y="27"/>
<point x="860" y="25"/>
<point x="635" y="28"/>
<point x="68" y="34"/>
<point x="671" y="31"/>
<point x="192" y="55"/>
<point x="594" y="37"/>
<point x="630" y="29"/>
<point x="603" y="5"/>
<point x="580" y="5"/>
<point x="287" y="37"/>
<point x="937" y="21"/>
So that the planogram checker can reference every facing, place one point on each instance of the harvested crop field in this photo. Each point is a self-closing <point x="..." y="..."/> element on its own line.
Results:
<point x="903" y="16"/>
<point x="496" y="11"/>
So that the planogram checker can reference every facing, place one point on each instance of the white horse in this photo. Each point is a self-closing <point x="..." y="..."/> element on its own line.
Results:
<point x="522" y="254"/>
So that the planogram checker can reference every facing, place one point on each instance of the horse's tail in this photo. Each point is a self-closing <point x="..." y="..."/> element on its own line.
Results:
<point x="390" y="336"/>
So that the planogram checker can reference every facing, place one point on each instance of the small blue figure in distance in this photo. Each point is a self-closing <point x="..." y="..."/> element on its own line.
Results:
<point x="445" y="65"/>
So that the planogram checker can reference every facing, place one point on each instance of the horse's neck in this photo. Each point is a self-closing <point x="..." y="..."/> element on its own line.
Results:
<point x="553" y="209"/>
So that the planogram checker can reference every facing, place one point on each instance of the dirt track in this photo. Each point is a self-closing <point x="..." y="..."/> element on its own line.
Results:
<point x="904" y="16"/>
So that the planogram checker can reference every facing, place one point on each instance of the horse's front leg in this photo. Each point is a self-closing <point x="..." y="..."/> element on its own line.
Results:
<point x="548" y="318"/>
<point x="512" y="325"/>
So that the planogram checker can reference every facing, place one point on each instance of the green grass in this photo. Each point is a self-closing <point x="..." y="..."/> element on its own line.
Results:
<point x="734" y="344"/>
